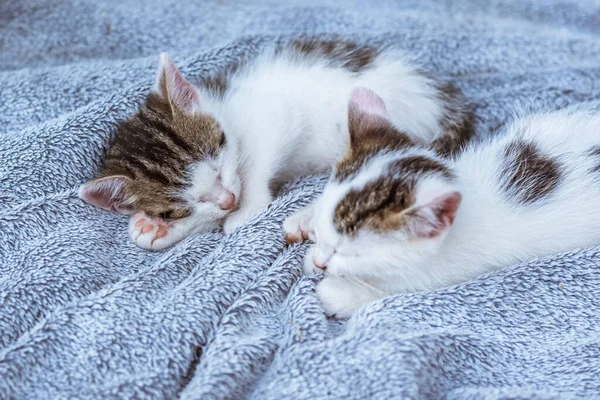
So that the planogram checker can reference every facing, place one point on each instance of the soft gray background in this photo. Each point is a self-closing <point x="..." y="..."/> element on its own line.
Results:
<point x="85" y="314"/>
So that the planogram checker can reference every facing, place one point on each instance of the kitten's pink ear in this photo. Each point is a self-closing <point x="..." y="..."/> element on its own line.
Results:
<point x="365" y="101"/>
<point x="432" y="219"/>
<point x="109" y="193"/>
<point x="366" y="115"/>
<point x="171" y="84"/>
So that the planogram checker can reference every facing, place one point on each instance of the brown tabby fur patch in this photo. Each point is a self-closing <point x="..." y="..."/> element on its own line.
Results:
<point x="457" y="123"/>
<point x="594" y="151"/>
<point x="155" y="149"/>
<point x="529" y="175"/>
<point x="344" y="53"/>
<point x="378" y="206"/>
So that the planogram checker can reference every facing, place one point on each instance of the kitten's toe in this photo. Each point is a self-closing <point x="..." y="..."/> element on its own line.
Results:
<point x="308" y="265"/>
<point x="142" y="231"/>
<point x="337" y="299"/>
<point x="291" y="239"/>
<point x="163" y="238"/>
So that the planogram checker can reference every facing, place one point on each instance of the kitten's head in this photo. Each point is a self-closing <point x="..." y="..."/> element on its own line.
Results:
<point x="170" y="159"/>
<point x="388" y="202"/>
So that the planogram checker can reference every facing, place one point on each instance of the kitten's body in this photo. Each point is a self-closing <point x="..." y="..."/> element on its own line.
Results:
<point x="281" y="115"/>
<point x="529" y="192"/>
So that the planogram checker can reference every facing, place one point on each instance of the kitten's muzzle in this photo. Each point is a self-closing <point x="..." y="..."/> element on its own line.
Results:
<point x="226" y="201"/>
<point x="317" y="264"/>
<point x="220" y="197"/>
<point x="321" y="257"/>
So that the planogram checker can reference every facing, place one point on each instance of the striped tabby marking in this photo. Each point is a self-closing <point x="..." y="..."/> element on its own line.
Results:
<point x="377" y="206"/>
<point x="156" y="148"/>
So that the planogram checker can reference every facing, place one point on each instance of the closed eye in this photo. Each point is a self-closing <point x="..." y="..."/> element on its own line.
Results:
<point x="167" y="215"/>
<point x="175" y="214"/>
<point x="223" y="139"/>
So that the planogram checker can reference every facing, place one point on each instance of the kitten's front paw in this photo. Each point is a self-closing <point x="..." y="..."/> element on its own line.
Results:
<point x="298" y="227"/>
<point x="152" y="233"/>
<point x="337" y="297"/>
<point x="237" y="219"/>
<point x="308" y="265"/>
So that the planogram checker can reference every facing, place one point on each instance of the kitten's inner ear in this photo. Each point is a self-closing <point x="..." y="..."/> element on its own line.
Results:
<point x="171" y="85"/>
<point x="434" y="218"/>
<point x="108" y="193"/>
<point x="367" y="102"/>
<point x="366" y="111"/>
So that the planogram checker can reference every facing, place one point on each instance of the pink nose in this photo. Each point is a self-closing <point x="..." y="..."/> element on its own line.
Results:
<point x="227" y="201"/>
<point x="320" y="265"/>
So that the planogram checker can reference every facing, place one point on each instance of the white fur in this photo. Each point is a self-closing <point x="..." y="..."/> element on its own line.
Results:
<point x="286" y="117"/>
<point x="491" y="229"/>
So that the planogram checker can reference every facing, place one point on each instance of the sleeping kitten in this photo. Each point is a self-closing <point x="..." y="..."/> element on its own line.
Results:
<point x="395" y="217"/>
<point x="195" y="157"/>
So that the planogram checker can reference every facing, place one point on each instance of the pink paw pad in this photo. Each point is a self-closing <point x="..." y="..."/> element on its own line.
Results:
<point x="161" y="233"/>
<point x="147" y="228"/>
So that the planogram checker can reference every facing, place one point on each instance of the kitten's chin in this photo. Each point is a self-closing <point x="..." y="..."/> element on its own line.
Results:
<point x="361" y="267"/>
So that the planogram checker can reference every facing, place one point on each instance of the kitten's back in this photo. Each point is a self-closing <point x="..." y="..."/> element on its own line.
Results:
<point x="302" y="90"/>
<point x="531" y="191"/>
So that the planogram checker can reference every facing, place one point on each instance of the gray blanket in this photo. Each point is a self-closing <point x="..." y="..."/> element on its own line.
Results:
<point x="86" y="314"/>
